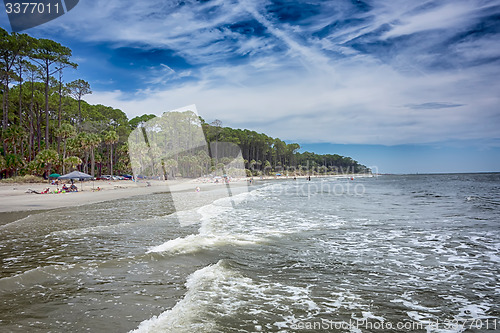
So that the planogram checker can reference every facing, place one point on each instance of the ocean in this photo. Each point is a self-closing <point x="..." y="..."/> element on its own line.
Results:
<point x="393" y="253"/>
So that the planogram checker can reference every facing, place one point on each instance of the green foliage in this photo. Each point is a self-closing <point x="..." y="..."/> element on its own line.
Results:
<point x="23" y="179"/>
<point x="136" y="121"/>
<point x="78" y="88"/>
<point x="3" y="164"/>
<point x="35" y="167"/>
<point x="277" y="154"/>
<point x="46" y="159"/>
<point x="13" y="163"/>
<point x="111" y="137"/>
<point x="72" y="162"/>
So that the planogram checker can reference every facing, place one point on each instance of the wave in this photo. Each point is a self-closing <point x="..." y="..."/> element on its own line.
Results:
<point x="35" y="276"/>
<point x="218" y="294"/>
<point x="189" y="314"/>
<point x="210" y="234"/>
<point x="195" y="243"/>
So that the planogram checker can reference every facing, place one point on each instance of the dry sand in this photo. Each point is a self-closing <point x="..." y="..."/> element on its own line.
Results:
<point x="16" y="197"/>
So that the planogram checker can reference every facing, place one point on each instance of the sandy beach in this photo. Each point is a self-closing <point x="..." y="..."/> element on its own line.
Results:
<point x="16" y="197"/>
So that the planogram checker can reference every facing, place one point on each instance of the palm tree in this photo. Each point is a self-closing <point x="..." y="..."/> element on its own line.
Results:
<point x="3" y="164"/>
<point x="216" y="128"/>
<point x="267" y="167"/>
<point x="65" y="132"/>
<point x="94" y="141"/>
<point x="170" y="165"/>
<point x="123" y="158"/>
<point x="84" y="140"/>
<point x="14" y="135"/>
<point x="72" y="161"/>
<point x="48" y="158"/>
<point x="110" y="138"/>
<point x="13" y="162"/>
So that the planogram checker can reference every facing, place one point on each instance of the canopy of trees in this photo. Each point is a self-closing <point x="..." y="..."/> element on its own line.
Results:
<point x="263" y="154"/>
<point x="46" y="126"/>
<point x="182" y="144"/>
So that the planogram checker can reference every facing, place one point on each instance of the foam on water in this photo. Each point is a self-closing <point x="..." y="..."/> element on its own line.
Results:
<point x="217" y="293"/>
<point x="226" y="222"/>
<point x="195" y="243"/>
<point x="188" y="314"/>
<point x="211" y="234"/>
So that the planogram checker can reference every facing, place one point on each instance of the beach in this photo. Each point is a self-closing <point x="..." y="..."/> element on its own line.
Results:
<point x="16" y="197"/>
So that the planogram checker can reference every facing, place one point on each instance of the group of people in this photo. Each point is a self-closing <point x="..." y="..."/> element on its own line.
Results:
<point x="63" y="189"/>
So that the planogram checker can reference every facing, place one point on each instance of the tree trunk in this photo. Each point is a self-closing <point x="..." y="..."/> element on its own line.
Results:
<point x="39" y="126"/>
<point x="20" y="93"/>
<point x="92" y="160"/>
<point x="47" y="109"/>
<point x="86" y="166"/>
<point x="111" y="159"/>
<point x="59" y="116"/>
<point x="5" y="120"/>
<point x="32" y="116"/>
<point x="20" y="107"/>
<point x="64" y="156"/>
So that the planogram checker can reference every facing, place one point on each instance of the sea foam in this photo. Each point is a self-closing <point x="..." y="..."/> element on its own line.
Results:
<point x="221" y="292"/>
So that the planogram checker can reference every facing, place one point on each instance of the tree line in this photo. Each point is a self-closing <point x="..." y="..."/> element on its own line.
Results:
<point x="46" y="126"/>
<point x="263" y="154"/>
<point x="182" y="144"/>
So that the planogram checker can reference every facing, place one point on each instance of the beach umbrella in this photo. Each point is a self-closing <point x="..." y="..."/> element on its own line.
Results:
<point x="77" y="175"/>
<point x="55" y="175"/>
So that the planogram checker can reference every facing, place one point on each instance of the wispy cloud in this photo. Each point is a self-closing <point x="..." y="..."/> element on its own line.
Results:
<point x="335" y="71"/>
<point x="432" y="105"/>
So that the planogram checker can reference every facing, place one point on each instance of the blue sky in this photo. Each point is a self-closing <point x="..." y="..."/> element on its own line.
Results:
<point x="406" y="86"/>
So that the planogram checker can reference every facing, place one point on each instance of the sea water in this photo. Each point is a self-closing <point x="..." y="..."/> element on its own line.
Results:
<point x="408" y="253"/>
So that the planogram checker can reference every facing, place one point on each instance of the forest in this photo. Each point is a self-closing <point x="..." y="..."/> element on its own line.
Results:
<point x="46" y="125"/>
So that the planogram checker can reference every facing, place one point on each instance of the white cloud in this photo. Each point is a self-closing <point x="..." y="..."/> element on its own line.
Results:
<point x="291" y="86"/>
<point x="363" y="104"/>
<point x="448" y="16"/>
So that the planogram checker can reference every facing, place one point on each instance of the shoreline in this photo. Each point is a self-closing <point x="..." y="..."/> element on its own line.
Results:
<point x="16" y="199"/>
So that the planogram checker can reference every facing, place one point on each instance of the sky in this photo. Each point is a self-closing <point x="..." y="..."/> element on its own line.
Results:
<point x="401" y="86"/>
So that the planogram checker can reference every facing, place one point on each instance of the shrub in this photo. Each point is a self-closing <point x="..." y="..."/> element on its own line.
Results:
<point x="23" y="179"/>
